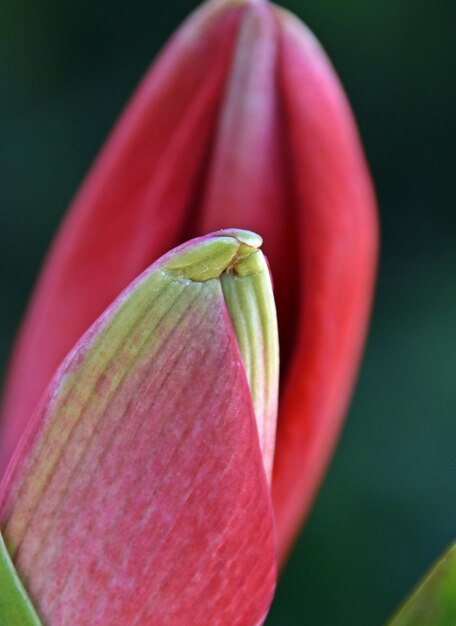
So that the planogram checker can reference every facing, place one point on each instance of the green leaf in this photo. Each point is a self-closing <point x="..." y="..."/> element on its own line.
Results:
<point x="16" y="608"/>
<point x="433" y="602"/>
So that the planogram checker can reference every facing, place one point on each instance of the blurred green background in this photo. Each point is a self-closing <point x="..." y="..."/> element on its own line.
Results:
<point x="388" y="505"/>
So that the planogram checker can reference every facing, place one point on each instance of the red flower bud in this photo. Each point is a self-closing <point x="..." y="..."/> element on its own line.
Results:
<point x="240" y="122"/>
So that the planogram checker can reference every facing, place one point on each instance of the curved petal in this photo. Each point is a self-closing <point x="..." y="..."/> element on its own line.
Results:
<point x="138" y="494"/>
<point x="337" y="258"/>
<point x="132" y="207"/>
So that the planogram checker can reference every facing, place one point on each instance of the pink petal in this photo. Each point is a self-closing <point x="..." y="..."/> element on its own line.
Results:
<point x="138" y="494"/>
<point x="337" y="257"/>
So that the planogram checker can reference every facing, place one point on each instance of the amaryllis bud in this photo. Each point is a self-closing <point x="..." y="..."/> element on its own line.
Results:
<point x="139" y="493"/>
<point x="242" y="121"/>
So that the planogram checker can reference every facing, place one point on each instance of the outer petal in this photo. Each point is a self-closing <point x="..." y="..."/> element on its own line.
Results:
<point x="132" y="208"/>
<point x="138" y="494"/>
<point x="337" y="257"/>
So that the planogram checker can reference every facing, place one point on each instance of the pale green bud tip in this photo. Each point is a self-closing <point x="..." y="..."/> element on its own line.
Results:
<point x="246" y="237"/>
<point x="210" y="256"/>
<point x="232" y="258"/>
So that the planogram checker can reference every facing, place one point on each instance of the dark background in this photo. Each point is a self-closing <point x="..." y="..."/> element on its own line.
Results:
<point x="388" y="505"/>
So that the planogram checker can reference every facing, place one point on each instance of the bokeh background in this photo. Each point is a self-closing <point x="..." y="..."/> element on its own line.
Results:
<point x="388" y="506"/>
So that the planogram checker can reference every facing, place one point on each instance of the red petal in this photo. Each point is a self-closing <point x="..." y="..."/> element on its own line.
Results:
<point x="248" y="183"/>
<point x="337" y="258"/>
<point x="132" y="207"/>
<point x="138" y="494"/>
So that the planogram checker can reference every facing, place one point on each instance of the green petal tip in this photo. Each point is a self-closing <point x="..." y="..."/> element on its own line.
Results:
<point x="208" y="257"/>
<point x="233" y="257"/>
